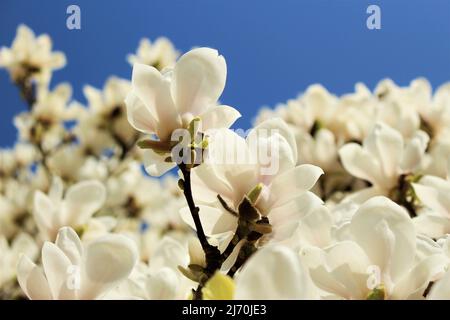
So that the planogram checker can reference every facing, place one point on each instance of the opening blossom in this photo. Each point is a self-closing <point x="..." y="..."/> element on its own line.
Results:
<point x="72" y="271"/>
<point x="160" y="103"/>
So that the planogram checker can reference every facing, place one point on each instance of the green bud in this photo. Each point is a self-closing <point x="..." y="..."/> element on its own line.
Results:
<point x="254" y="194"/>
<point x="377" y="294"/>
<point x="193" y="127"/>
<point x="157" y="146"/>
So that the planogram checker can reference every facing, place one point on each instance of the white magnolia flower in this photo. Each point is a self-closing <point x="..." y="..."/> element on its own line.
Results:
<point x="274" y="273"/>
<point x="263" y="164"/>
<point x="433" y="192"/>
<point x="31" y="53"/>
<point x="74" y="209"/>
<point x="377" y="258"/>
<point x="397" y="106"/>
<point x="383" y="157"/>
<point x="160" y="279"/>
<point x="104" y="123"/>
<point x="22" y="244"/>
<point x="159" y="54"/>
<point x="73" y="271"/>
<point x="162" y="103"/>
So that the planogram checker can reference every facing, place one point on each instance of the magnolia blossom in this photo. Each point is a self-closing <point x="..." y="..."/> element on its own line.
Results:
<point x="160" y="278"/>
<point x="72" y="271"/>
<point x="263" y="168"/>
<point x="376" y="257"/>
<point x="75" y="208"/>
<point x="104" y="123"/>
<point x="161" y="103"/>
<point x="382" y="158"/>
<point x="29" y="53"/>
<point x="22" y="244"/>
<point x="433" y="193"/>
<point x="159" y="54"/>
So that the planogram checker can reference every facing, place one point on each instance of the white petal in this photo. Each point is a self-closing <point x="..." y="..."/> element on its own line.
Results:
<point x="441" y="289"/>
<point x="286" y="218"/>
<point x="56" y="267"/>
<point x="154" y="91"/>
<point x="359" y="163"/>
<point x="198" y="80"/>
<point x="56" y="190"/>
<point x="162" y="285"/>
<point x="168" y="253"/>
<point x="43" y="212"/>
<point x="414" y="283"/>
<point x="414" y="151"/>
<point x="83" y="200"/>
<point x="386" y="144"/>
<point x="207" y="184"/>
<point x="433" y="193"/>
<point x="434" y="226"/>
<point x="214" y="221"/>
<point x="32" y="280"/>
<point x="386" y="233"/>
<point x="69" y="242"/>
<point x="292" y="182"/>
<point x="139" y="116"/>
<point x="108" y="260"/>
<point x="273" y="273"/>
<point x="217" y="117"/>
<point x="276" y="125"/>
<point x="155" y="164"/>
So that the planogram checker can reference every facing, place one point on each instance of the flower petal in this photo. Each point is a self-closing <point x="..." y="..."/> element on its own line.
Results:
<point x="217" y="117"/>
<point x="155" y="164"/>
<point x="32" y="280"/>
<point x="83" y="200"/>
<point x="108" y="260"/>
<point x="154" y="92"/>
<point x="56" y="267"/>
<point x="198" y="80"/>
<point x="139" y="116"/>
<point x="386" y="233"/>
<point x="69" y="242"/>
<point x="273" y="273"/>
<point x="214" y="221"/>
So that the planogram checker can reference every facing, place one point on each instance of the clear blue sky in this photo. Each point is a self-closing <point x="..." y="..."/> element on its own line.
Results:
<point x="274" y="49"/>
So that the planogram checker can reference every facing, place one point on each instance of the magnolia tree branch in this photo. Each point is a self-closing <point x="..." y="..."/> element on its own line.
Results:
<point x="212" y="254"/>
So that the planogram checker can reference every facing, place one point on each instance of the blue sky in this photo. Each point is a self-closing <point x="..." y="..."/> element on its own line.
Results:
<point x="274" y="48"/>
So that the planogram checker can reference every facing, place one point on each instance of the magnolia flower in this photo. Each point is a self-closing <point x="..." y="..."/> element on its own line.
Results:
<point x="161" y="103"/>
<point x="433" y="192"/>
<point x="22" y="244"/>
<point x="160" y="279"/>
<point x="73" y="271"/>
<point x="104" y="123"/>
<point x="397" y="107"/>
<point x="376" y="258"/>
<point x="262" y="170"/>
<point x="160" y="54"/>
<point x="79" y="203"/>
<point x="31" y="54"/>
<point x="383" y="158"/>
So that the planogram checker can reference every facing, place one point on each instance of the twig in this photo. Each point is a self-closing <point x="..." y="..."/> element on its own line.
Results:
<point x="212" y="253"/>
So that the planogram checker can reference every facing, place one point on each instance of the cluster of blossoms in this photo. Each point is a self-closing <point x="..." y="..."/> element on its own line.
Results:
<point x="325" y="198"/>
